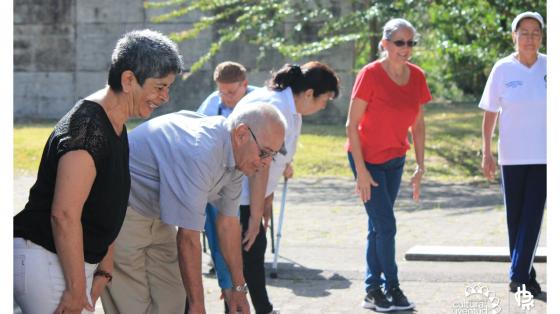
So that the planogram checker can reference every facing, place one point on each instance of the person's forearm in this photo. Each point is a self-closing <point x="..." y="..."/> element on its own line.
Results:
<point x="356" y="147"/>
<point x="268" y="201"/>
<point x="257" y="187"/>
<point x="488" y="126"/>
<point x="75" y="176"/>
<point x="356" y="110"/>
<point x="68" y="240"/>
<point x="106" y="263"/>
<point x="104" y="276"/>
<point x="190" y="265"/>
<point x="229" y="235"/>
<point x="419" y="140"/>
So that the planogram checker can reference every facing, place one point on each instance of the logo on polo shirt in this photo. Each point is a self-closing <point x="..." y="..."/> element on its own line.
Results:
<point x="514" y="84"/>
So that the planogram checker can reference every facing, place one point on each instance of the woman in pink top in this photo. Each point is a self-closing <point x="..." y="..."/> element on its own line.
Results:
<point x="386" y="103"/>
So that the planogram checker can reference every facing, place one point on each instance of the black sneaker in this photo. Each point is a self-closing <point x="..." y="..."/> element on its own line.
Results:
<point x="376" y="300"/>
<point x="399" y="302"/>
<point x="532" y="286"/>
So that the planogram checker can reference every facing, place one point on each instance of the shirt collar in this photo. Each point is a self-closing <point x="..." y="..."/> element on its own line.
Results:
<point x="287" y="93"/>
<point x="229" y="158"/>
<point x="222" y="105"/>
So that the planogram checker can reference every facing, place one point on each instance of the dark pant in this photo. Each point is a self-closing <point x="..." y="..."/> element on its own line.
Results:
<point x="524" y="197"/>
<point x="381" y="265"/>
<point x="253" y="266"/>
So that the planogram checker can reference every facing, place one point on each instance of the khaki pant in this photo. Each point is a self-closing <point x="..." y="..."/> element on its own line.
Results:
<point x="146" y="276"/>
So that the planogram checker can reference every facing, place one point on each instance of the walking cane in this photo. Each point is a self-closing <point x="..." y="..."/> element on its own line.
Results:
<point x="274" y="273"/>
<point x="272" y="230"/>
<point x="204" y="241"/>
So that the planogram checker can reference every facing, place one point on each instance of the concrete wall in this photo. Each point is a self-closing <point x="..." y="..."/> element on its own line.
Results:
<point x="62" y="50"/>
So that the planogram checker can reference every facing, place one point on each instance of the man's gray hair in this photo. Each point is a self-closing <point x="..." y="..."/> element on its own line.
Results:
<point x="393" y="26"/>
<point x="257" y="116"/>
<point x="147" y="53"/>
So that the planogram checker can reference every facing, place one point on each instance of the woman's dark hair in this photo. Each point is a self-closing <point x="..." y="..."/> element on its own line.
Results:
<point x="315" y="75"/>
<point x="147" y="53"/>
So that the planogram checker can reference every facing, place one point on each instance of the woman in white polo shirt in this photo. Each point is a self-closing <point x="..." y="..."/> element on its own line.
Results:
<point x="295" y="91"/>
<point x="516" y="93"/>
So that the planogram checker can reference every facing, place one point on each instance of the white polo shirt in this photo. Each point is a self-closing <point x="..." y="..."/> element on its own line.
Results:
<point x="284" y="102"/>
<point x="518" y="93"/>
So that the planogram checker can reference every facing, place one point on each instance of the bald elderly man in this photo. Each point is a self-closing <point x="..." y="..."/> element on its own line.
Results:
<point x="178" y="163"/>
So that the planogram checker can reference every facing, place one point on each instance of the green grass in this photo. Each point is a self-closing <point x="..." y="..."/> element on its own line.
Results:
<point x="29" y="140"/>
<point x="452" y="146"/>
<point x="321" y="151"/>
<point x="453" y="142"/>
<point x="452" y="154"/>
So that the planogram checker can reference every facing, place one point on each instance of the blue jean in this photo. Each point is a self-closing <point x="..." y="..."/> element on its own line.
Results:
<point x="253" y="260"/>
<point x="524" y="197"/>
<point x="381" y="265"/>
<point x="222" y="271"/>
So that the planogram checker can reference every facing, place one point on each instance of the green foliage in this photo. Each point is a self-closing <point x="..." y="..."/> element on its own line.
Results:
<point x="460" y="39"/>
<point x="467" y="37"/>
<point x="296" y="29"/>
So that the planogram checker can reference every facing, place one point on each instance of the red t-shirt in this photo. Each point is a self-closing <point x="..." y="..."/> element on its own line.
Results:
<point x="391" y="110"/>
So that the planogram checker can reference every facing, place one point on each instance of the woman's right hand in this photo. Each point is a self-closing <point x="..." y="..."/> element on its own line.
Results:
<point x="73" y="301"/>
<point x="97" y="286"/>
<point x="364" y="181"/>
<point x="489" y="166"/>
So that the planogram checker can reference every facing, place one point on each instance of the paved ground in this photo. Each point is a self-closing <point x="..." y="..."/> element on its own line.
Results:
<point x="322" y="251"/>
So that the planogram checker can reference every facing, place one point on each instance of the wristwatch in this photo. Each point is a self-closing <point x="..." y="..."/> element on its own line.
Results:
<point x="241" y="288"/>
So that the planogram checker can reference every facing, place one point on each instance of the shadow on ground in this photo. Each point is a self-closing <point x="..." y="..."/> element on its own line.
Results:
<point x="306" y="282"/>
<point x="435" y="195"/>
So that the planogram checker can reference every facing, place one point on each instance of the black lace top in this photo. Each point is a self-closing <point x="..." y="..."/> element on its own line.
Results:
<point x="84" y="127"/>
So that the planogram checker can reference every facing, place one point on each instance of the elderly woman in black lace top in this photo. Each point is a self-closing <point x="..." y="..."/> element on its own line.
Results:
<point x="63" y="238"/>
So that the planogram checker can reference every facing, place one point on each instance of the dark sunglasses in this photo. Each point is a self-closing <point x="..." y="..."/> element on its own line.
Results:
<point x="409" y="43"/>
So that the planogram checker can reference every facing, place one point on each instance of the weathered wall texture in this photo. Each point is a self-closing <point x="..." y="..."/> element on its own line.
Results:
<point x="62" y="50"/>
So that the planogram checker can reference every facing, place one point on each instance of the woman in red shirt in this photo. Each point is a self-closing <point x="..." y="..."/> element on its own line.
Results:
<point x="386" y="102"/>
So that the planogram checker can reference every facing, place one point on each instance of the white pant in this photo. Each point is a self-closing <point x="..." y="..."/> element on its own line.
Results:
<point x="39" y="279"/>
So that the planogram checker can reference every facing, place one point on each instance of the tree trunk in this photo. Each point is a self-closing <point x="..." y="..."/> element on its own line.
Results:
<point x="373" y="38"/>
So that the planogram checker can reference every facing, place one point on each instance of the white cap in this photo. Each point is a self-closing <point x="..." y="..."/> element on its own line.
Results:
<point x="528" y="14"/>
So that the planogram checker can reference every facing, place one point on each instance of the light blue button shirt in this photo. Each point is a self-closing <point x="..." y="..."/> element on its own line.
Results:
<point x="178" y="163"/>
<point x="213" y="105"/>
